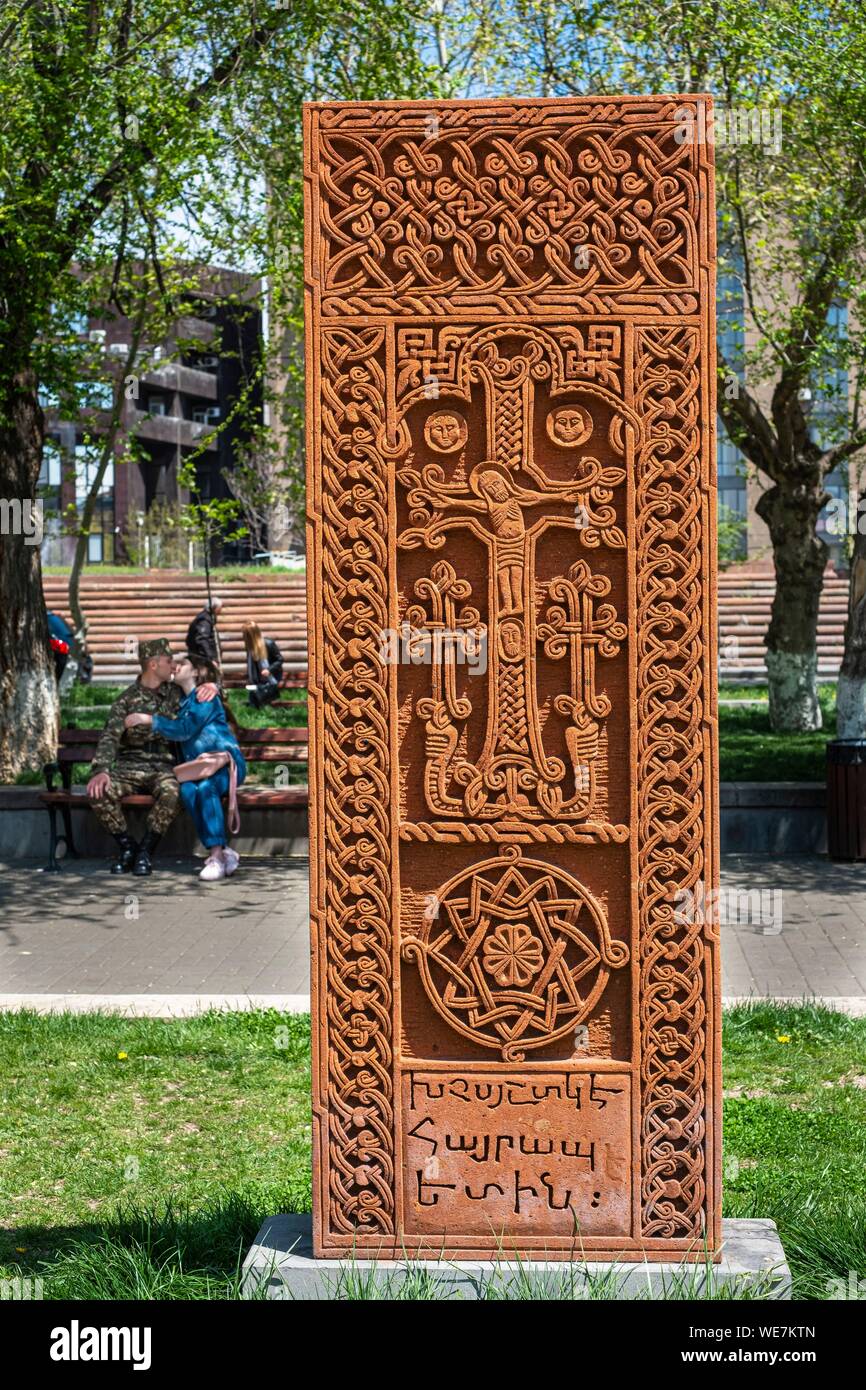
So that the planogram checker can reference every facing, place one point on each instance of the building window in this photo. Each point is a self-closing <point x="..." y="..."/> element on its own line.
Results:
<point x="731" y="466"/>
<point x="94" y="549"/>
<point x="51" y="471"/>
<point x="95" y="395"/>
<point x="86" y="464"/>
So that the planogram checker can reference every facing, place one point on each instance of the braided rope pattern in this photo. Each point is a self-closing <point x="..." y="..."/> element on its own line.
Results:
<point x="357" y="811"/>
<point x="588" y="833"/>
<point x="513" y="731"/>
<point x="509" y="428"/>
<point x="670" y="798"/>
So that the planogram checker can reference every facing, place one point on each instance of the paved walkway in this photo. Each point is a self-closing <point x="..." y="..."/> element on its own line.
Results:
<point x="792" y="928"/>
<point x="84" y="932"/>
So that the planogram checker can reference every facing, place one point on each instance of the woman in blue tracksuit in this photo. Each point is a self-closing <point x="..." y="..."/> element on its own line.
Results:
<point x="201" y="726"/>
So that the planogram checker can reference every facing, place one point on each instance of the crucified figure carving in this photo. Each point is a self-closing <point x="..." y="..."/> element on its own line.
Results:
<point x="502" y="500"/>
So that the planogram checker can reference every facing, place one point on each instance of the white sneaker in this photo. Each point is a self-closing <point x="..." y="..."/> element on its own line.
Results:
<point x="231" y="859"/>
<point x="214" y="868"/>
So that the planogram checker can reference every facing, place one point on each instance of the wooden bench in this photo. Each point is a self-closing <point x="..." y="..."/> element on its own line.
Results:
<point x="293" y="689"/>
<point x="78" y="746"/>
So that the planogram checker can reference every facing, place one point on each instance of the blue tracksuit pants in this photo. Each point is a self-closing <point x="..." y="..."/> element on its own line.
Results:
<point x="203" y="802"/>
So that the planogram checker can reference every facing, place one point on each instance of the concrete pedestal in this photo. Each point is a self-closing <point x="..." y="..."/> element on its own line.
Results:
<point x="281" y="1265"/>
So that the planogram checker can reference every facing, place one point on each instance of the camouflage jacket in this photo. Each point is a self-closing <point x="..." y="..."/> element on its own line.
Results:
<point x="138" y="747"/>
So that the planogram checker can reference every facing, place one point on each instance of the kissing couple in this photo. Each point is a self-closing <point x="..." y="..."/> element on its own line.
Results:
<point x="213" y="765"/>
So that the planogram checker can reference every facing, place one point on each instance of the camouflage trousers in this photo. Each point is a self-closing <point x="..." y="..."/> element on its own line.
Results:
<point x="160" y="783"/>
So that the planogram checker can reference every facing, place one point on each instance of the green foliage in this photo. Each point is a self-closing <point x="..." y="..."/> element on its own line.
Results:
<point x="750" y="751"/>
<point x="137" y="142"/>
<point x="731" y="534"/>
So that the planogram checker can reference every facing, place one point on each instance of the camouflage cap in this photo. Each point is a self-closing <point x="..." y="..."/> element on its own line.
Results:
<point x="156" y="646"/>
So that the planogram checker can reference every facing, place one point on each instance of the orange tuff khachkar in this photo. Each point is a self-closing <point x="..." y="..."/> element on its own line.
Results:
<point x="511" y="587"/>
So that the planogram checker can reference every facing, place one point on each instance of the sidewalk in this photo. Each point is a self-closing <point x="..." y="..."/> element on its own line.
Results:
<point x="82" y="938"/>
<point x="84" y="932"/>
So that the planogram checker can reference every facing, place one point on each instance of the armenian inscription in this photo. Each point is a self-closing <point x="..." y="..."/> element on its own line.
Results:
<point x="491" y="1153"/>
<point x="513" y="782"/>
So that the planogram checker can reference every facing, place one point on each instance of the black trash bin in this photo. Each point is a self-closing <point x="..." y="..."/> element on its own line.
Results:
<point x="846" y="798"/>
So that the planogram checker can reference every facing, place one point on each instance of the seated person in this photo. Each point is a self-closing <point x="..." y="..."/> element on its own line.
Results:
<point x="130" y="760"/>
<point x="203" y="726"/>
<point x="264" y="666"/>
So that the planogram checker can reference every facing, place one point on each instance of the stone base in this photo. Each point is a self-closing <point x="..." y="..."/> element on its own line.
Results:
<point x="281" y="1265"/>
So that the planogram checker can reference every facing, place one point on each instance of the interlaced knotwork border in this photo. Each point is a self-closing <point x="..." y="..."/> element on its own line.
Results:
<point x="357" y="921"/>
<point x="670" y="779"/>
<point x="485" y="207"/>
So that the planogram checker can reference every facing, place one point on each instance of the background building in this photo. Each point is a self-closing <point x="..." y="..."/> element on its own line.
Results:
<point x="210" y="351"/>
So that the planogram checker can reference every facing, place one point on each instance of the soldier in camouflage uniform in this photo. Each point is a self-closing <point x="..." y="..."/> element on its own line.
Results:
<point x="137" y="760"/>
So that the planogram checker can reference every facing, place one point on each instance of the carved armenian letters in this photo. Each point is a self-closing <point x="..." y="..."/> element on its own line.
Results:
<point x="512" y="661"/>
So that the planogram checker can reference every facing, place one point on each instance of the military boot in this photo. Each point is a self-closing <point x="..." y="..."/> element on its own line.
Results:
<point x="143" y="865"/>
<point x="126" y="853"/>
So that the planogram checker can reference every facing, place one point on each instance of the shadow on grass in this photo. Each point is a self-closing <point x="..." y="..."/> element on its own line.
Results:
<point x="163" y="1252"/>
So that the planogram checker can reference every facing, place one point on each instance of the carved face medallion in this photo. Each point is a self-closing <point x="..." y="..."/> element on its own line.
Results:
<point x="511" y="641"/>
<point x="445" y="432"/>
<point x="569" y="425"/>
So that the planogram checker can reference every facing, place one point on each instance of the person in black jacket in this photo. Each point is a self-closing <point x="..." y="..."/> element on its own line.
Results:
<point x="202" y="641"/>
<point x="264" y="666"/>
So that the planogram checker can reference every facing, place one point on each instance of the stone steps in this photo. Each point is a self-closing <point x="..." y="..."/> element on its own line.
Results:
<point x="163" y="605"/>
<point x="745" y="600"/>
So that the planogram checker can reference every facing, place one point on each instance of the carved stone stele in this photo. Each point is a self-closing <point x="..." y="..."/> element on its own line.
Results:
<point x="513" y="780"/>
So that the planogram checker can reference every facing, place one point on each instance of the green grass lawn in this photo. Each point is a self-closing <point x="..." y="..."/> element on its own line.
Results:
<point x="749" y="751"/>
<point x="147" y="1175"/>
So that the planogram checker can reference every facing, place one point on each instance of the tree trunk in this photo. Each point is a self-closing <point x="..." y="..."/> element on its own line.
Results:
<point x="790" y="509"/>
<point x="106" y="456"/>
<point x="851" y="690"/>
<point x="29" y="705"/>
<point x="79" y="621"/>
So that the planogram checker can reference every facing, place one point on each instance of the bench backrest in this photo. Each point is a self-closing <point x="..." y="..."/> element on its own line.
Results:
<point x="257" y="745"/>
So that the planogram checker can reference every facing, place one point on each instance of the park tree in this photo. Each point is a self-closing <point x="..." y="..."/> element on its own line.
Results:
<point x="851" y="687"/>
<point x="789" y="82"/>
<point x="137" y="131"/>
